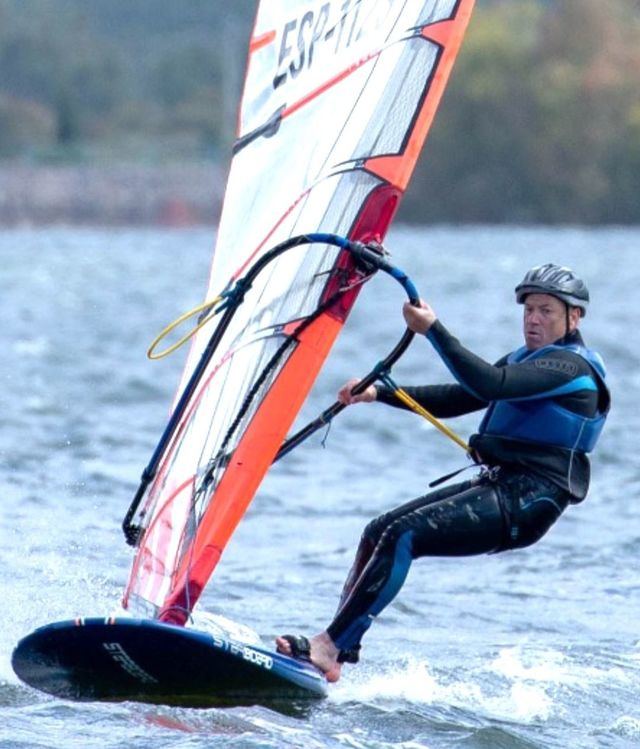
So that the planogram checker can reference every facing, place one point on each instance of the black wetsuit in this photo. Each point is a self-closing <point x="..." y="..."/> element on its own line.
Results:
<point x="513" y="502"/>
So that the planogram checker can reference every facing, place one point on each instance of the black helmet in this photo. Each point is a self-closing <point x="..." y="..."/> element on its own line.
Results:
<point x="557" y="281"/>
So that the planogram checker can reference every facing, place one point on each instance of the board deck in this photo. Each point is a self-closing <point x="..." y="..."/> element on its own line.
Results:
<point x="143" y="660"/>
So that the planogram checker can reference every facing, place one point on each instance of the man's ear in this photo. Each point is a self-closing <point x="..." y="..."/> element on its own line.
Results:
<point x="574" y="318"/>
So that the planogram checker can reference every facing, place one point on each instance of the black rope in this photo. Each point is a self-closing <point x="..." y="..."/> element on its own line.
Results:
<point x="335" y="408"/>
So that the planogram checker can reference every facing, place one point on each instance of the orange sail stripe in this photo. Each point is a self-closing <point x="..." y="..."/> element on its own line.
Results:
<point x="245" y="265"/>
<point x="253" y="456"/>
<point x="325" y="86"/>
<point x="258" y="42"/>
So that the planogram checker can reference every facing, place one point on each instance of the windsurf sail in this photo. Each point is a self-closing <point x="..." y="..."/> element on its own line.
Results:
<point x="338" y="99"/>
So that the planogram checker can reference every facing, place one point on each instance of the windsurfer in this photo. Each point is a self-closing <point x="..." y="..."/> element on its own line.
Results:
<point x="545" y="406"/>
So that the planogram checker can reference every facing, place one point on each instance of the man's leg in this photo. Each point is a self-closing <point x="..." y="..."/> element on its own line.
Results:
<point x="385" y="554"/>
<point x="476" y="517"/>
<point x="374" y="530"/>
<point x="463" y="521"/>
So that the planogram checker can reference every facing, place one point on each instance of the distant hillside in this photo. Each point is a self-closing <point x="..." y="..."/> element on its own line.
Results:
<point x="541" y="121"/>
<point x="108" y="78"/>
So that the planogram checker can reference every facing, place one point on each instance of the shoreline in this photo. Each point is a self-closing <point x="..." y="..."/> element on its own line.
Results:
<point x="138" y="195"/>
<point x="111" y="195"/>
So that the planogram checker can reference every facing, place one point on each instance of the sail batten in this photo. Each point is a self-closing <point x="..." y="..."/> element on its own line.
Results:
<point x="338" y="100"/>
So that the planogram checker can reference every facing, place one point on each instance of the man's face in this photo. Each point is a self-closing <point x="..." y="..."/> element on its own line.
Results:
<point x="545" y="320"/>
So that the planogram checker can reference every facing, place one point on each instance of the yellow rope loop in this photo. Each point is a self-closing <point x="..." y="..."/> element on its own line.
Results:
<point x="209" y="306"/>
<point x="417" y="408"/>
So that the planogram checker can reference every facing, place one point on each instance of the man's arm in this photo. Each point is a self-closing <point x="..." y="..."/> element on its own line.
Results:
<point x="491" y="382"/>
<point x="443" y="401"/>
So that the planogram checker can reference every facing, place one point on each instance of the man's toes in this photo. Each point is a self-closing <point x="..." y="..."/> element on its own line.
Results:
<point x="283" y="646"/>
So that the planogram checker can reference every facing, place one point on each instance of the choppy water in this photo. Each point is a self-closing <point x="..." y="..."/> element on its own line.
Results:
<point x="534" y="648"/>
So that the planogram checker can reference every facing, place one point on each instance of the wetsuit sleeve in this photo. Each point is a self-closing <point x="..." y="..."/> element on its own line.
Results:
<point x="489" y="382"/>
<point x="442" y="401"/>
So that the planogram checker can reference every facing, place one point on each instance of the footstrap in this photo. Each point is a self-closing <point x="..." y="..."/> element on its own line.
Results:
<point x="300" y="647"/>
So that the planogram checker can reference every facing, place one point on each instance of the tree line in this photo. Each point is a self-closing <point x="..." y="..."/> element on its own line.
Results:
<point x="541" y="119"/>
<point x="540" y="122"/>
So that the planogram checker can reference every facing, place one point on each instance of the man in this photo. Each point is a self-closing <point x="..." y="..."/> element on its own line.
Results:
<point x="545" y="406"/>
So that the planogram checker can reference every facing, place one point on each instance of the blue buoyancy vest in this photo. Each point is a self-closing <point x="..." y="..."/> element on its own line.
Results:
<point x="540" y="418"/>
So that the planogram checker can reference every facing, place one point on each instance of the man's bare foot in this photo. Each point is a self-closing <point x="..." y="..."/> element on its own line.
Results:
<point x="324" y="654"/>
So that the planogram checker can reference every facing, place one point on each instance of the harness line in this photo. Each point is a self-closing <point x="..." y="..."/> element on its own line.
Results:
<point x="405" y="398"/>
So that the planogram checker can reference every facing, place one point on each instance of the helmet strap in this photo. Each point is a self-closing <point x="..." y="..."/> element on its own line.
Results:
<point x="567" y="318"/>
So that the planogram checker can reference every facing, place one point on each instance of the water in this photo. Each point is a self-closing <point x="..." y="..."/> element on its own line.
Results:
<point x="528" y="649"/>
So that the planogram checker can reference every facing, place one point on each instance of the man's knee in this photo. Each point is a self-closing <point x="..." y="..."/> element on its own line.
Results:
<point x="375" y="528"/>
<point x="393" y="533"/>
